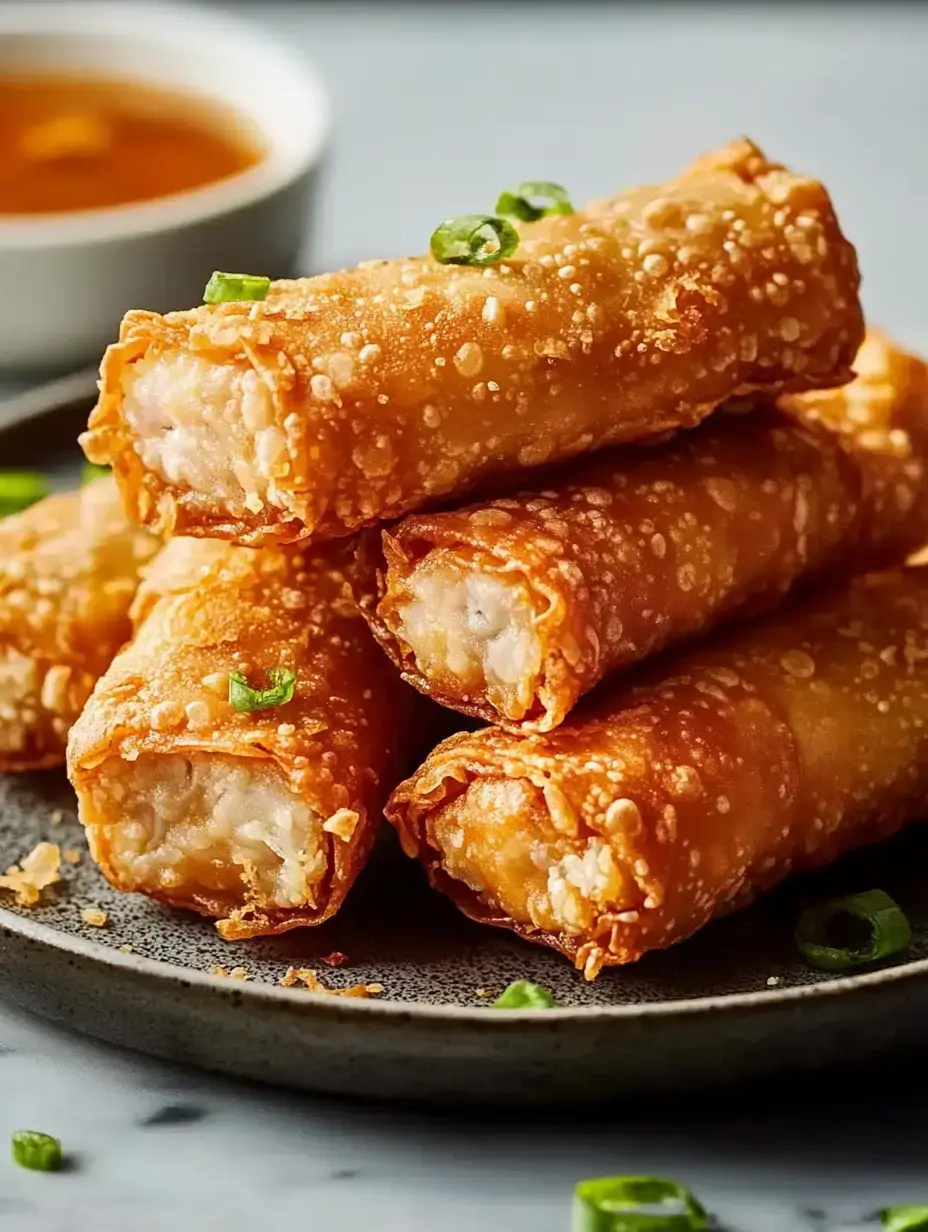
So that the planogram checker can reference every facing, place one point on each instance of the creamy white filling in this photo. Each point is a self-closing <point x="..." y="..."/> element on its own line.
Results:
<point x="19" y="698"/>
<point x="211" y="823"/>
<point x="478" y="627"/>
<point x="206" y="427"/>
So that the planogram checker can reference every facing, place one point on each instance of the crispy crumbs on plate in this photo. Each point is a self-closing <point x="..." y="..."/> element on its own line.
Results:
<point x="336" y="959"/>
<point x="296" y="976"/>
<point x="57" y="817"/>
<point x="773" y="981"/>
<point x="96" y="917"/>
<point x="72" y="855"/>
<point x="35" y="872"/>
<point x="127" y="949"/>
<point x="484" y="992"/>
<point x="237" y="973"/>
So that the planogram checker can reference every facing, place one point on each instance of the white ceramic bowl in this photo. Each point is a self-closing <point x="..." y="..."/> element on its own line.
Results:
<point x="66" y="279"/>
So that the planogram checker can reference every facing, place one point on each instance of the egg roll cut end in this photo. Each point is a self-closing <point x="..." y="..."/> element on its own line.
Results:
<point x="474" y="631"/>
<point x="210" y="832"/>
<point x="39" y="701"/>
<point x="207" y="428"/>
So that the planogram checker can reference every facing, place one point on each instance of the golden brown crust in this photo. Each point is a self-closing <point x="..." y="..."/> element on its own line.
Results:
<point x="210" y="608"/>
<point x="774" y="749"/>
<point x="69" y="567"/>
<point x="404" y="381"/>
<point x="635" y="550"/>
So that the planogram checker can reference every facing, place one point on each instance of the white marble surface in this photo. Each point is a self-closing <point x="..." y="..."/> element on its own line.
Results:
<point x="439" y="106"/>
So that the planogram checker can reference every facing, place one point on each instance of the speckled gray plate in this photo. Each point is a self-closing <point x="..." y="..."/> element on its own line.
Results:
<point x="732" y="1003"/>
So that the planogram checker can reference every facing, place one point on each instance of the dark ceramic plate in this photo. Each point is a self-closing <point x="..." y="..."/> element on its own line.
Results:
<point x="734" y="1002"/>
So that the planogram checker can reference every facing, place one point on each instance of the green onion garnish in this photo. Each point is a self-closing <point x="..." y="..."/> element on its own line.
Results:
<point x="888" y="931"/>
<point x="619" y="1204"/>
<point x="904" y="1218"/>
<point x="19" y="490"/>
<point x="243" y="697"/>
<point x="229" y="288"/>
<point x="521" y="202"/>
<point x="473" y="239"/>
<point x="40" y="1152"/>
<point x="90" y="471"/>
<point x="524" y="995"/>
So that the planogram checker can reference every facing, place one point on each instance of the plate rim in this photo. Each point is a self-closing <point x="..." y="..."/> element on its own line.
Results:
<point x="470" y="1015"/>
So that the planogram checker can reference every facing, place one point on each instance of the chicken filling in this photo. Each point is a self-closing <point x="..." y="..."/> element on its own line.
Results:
<point x="223" y="827"/>
<point x="498" y="838"/>
<point x="474" y="631"/>
<point x="208" y="428"/>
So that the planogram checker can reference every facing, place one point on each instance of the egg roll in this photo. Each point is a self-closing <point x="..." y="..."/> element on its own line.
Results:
<point x="511" y="609"/>
<point x="69" y="568"/>
<point x="342" y="400"/>
<point x="658" y="807"/>
<point x="258" y="817"/>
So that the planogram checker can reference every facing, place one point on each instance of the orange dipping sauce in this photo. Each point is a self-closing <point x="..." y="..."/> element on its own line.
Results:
<point x="74" y="143"/>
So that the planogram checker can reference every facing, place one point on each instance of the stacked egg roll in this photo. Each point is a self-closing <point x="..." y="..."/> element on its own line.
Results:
<point x="346" y="399"/>
<point x="660" y="805"/>
<point x="69" y="569"/>
<point x="511" y="609"/>
<point x="236" y="756"/>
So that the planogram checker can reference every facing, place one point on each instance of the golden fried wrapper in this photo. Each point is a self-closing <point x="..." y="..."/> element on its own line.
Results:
<point x="260" y="818"/>
<point x="656" y="808"/>
<point x="69" y="568"/>
<point x="511" y="609"/>
<point x="354" y="397"/>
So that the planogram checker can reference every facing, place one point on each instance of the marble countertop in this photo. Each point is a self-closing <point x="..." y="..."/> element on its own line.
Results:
<point x="437" y="107"/>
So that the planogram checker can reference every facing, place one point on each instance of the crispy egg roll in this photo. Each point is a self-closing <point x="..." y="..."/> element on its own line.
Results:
<point x="69" y="568"/>
<point x="656" y="808"/>
<point x="354" y="397"/>
<point x="259" y="818"/>
<point x="511" y="609"/>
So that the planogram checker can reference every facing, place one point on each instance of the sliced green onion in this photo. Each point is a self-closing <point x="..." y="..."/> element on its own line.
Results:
<point x="521" y="202"/>
<point x="620" y="1204"/>
<point x="904" y="1218"/>
<point x="90" y="471"/>
<point x="524" y="995"/>
<point x="888" y="928"/>
<point x="40" y="1152"/>
<point x="244" y="698"/>
<point x="473" y="239"/>
<point x="20" y="489"/>
<point x="229" y="288"/>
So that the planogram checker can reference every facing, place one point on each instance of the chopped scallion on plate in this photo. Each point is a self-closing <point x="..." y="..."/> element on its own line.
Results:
<point x="905" y="1218"/>
<point x="473" y="239"/>
<point x="534" y="199"/>
<point x="636" y="1204"/>
<point x="244" y="698"/>
<point x="880" y="930"/>
<point x="20" y="489"/>
<point x="233" y="288"/>
<point x="524" y="995"/>
<point x="37" y="1151"/>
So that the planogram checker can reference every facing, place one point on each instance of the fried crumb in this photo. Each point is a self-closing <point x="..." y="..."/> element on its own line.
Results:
<point x="336" y="959"/>
<point x="295" y="976"/>
<point x="237" y="973"/>
<point x="72" y="855"/>
<point x="35" y="872"/>
<point x="773" y="981"/>
<point x="96" y="917"/>
<point x="127" y="949"/>
<point x="484" y="992"/>
<point x="57" y="817"/>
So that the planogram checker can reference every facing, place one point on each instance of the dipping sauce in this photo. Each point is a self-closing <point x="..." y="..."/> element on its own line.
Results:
<point x="74" y="143"/>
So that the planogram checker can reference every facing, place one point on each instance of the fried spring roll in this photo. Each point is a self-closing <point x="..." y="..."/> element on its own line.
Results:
<point x="510" y="610"/>
<point x="69" y="568"/>
<point x="654" y="809"/>
<point x="353" y="397"/>
<point x="261" y="818"/>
